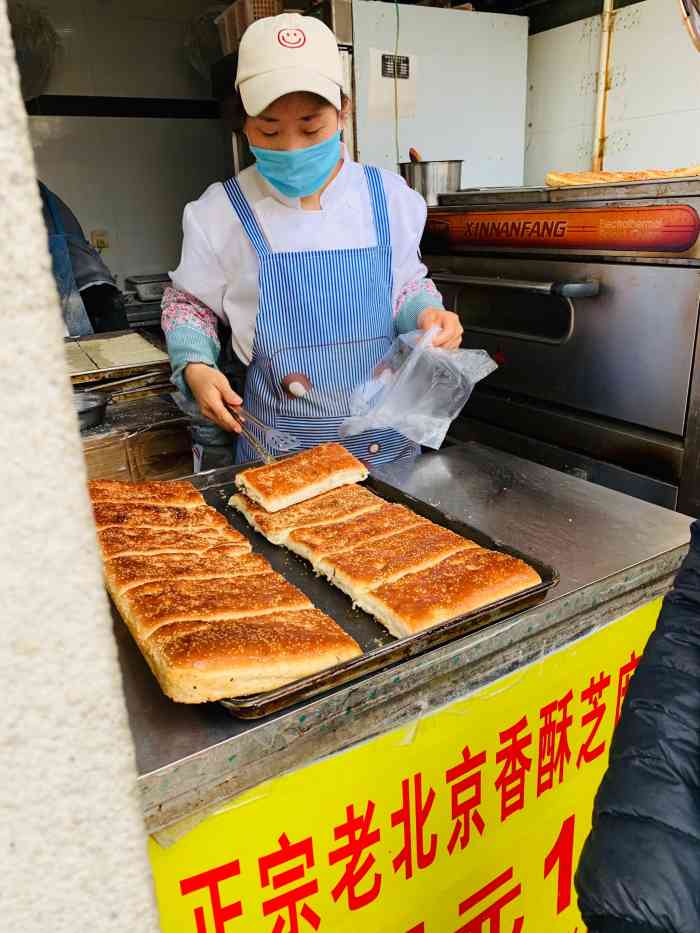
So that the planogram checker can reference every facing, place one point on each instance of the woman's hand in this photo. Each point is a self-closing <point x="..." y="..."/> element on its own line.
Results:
<point x="450" y="336"/>
<point x="213" y="392"/>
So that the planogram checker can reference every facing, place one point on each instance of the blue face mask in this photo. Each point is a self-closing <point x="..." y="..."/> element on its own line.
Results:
<point x="298" y="173"/>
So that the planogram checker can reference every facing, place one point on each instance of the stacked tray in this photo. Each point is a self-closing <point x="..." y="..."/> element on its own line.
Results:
<point x="102" y="357"/>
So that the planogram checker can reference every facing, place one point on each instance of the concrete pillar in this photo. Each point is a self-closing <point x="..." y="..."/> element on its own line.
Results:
<point x="72" y="842"/>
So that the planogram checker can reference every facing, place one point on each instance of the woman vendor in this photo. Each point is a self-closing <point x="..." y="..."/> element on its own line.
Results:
<point x="310" y="258"/>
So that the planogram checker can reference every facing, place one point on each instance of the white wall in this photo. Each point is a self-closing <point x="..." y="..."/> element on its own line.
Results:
<point x="131" y="177"/>
<point x="562" y="65"/>
<point x="469" y="95"/>
<point x="653" y="104"/>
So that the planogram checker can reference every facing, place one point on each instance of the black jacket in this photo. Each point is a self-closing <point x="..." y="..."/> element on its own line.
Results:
<point x="103" y="301"/>
<point x="640" y="867"/>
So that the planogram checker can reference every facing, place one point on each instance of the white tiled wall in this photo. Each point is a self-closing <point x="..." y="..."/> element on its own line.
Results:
<point x="132" y="178"/>
<point x="653" y="104"/>
<point x="562" y="66"/>
<point x="124" y="48"/>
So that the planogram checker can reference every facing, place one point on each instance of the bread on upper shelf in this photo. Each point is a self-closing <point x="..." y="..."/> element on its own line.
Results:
<point x="571" y="179"/>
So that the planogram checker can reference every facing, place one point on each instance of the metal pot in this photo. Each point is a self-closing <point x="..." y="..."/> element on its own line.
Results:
<point x="90" y="408"/>
<point x="433" y="178"/>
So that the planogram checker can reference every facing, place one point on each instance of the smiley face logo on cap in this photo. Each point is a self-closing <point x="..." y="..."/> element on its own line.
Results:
<point x="291" y="38"/>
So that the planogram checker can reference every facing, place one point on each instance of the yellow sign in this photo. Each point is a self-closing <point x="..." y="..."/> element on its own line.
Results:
<point x="469" y="820"/>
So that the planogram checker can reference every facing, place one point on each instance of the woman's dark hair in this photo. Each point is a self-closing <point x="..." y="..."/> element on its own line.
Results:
<point x="234" y="111"/>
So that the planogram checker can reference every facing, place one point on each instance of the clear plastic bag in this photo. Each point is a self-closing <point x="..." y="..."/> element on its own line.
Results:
<point x="417" y="389"/>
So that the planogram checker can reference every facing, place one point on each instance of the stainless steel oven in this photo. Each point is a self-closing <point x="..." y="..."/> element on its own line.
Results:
<point x="588" y="299"/>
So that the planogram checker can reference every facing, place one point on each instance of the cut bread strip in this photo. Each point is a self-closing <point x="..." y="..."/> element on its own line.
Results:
<point x="124" y="573"/>
<point x="467" y="581"/>
<point x="368" y="566"/>
<point x="145" y="608"/>
<point x="117" y="541"/>
<point x="129" y="515"/>
<point x="334" y="506"/>
<point x="159" y="493"/>
<point x="230" y="550"/>
<point x="305" y="475"/>
<point x="318" y="541"/>
<point x="200" y="661"/>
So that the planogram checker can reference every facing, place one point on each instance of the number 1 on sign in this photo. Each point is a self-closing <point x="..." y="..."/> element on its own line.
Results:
<point x="562" y="855"/>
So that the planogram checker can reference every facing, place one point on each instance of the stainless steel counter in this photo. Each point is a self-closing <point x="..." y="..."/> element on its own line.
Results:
<point x="613" y="552"/>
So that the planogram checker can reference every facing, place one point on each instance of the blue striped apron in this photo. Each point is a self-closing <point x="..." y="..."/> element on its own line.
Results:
<point x="324" y="321"/>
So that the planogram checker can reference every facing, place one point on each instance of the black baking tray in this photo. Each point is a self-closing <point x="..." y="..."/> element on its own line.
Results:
<point x="381" y="650"/>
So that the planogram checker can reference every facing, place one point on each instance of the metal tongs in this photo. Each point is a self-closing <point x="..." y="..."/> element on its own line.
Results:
<point x="277" y="440"/>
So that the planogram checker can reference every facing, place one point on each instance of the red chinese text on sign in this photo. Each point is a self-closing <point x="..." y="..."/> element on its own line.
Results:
<point x="623" y="680"/>
<point x="592" y="695"/>
<point x="488" y="919"/>
<point x="515" y="765"/>
<point x="412" y="819"/>
<point x="357" y="830"/>
<point x="561" y="857"/>
<point x="465" y="781"/>
<point x="293" y="900"/>
<point x="554" y="749"/>
<point x="211" y="879"/>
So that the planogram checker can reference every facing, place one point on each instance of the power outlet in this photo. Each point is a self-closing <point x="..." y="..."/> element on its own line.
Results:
<point x="99" y="239"/>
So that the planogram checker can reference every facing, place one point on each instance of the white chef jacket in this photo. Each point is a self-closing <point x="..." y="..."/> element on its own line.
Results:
<point x="220" y="267"/>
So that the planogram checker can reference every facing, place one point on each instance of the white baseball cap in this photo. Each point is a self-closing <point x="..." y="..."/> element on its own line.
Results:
<point x="279" y="55"/>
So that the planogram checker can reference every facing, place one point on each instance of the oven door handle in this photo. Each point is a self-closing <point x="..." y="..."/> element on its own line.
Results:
<point x="588" y="289"/>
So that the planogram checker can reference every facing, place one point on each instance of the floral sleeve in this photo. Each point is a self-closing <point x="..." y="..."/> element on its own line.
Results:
<point x="415" y="296"/>
<point x="191" y="333"/>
